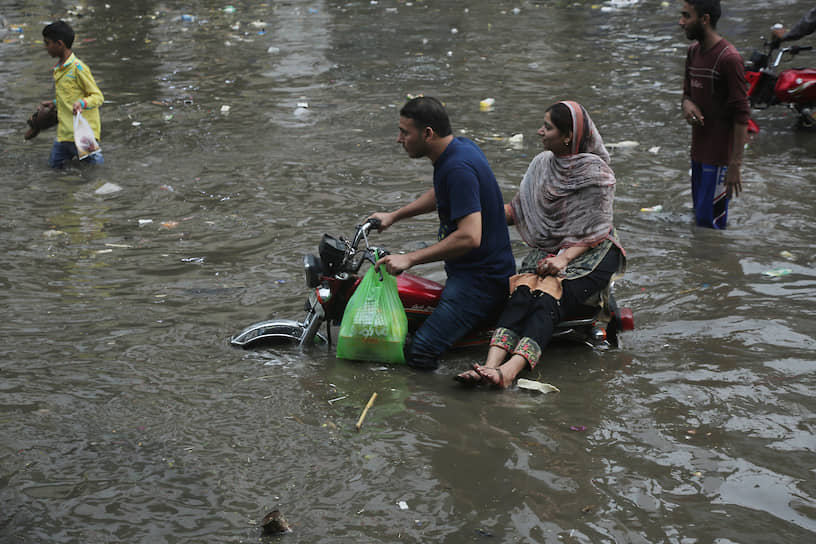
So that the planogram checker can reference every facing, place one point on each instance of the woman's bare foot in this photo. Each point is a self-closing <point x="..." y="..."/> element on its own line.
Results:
<point x="493" y="376"/>
<point x="469" y="377"/>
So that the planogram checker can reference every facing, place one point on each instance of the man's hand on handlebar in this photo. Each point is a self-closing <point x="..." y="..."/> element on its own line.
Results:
<point x="385" y="219"/>
<point x="394" y="264"/>
<point x="777" y="33"/>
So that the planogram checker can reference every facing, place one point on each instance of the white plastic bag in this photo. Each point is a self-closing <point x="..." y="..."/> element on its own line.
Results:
<point x="84" y="138"/>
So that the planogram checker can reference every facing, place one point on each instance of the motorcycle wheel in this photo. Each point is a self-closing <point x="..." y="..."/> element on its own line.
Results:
<point x="273" y="332"/>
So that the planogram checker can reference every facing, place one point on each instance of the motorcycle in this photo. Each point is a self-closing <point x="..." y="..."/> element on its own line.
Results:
<point x="333" y="276"/>
<point x="794" y="87"/>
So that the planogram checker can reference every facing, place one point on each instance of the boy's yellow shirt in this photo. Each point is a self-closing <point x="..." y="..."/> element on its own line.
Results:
<point x="74" y="81"/>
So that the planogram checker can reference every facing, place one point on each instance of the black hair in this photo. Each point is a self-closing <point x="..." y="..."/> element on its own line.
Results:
<point x="561" y="117"/>
<point x="711" y="7"/>
<point x="59" y="31"/>
<point x="426" y="111"/>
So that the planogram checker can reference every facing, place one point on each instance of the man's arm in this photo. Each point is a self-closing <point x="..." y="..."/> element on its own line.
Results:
<point x="741" y="113"/>
<point x="426" y="203"/>
<point x="691" y="112"/>
<point x="733" y="177"/>
<point x="467" y="236"/>
<point x="805" y="26"/>
<point x="509" y="217"/>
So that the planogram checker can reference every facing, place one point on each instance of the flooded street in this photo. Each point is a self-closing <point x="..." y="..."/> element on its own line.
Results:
<point x="233" y="139"/>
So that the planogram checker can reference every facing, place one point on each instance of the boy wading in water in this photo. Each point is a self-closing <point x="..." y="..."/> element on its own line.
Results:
<point x="76" y="91"/>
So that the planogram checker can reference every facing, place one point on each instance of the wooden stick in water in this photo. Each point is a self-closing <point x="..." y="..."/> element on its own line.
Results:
<point x="365" y="411"/>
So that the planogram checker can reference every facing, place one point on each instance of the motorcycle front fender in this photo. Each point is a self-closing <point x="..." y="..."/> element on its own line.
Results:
<point x="277" y="331"/>
<point x="271" y="331"/>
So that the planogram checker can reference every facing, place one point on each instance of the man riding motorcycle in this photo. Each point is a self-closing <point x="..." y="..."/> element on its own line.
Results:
<point x="805" y="26"/>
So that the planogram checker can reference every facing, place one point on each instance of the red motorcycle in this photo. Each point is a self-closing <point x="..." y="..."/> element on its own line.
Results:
<point x="795" y="87"/>
<point x="334" y="275"/>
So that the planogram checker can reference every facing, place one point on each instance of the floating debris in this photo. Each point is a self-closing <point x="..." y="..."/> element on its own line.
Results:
<point x="776" y="272"/>
<point x="626" y="144"/>
<point x="516" y="141"/>
<point x="108" y="188"/>
<point x="653" y="209"/>
<point x="365" y="411"/>
<point x="532" y="385"/>
<point x="275" y="523"/>
<point x="487" y="104"/>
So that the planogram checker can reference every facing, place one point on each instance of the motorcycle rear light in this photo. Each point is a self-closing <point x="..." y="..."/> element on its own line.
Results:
<point x="627" y="319"/>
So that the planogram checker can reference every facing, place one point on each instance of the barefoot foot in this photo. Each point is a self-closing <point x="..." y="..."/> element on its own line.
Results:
<point x="469" y="377"/>
<point x="492" y="376"/>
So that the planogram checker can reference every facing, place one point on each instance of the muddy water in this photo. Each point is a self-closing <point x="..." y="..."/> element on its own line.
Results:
<point x="126" y="416"/>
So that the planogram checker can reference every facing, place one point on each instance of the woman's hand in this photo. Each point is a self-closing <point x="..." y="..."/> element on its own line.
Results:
<point x="552" y="265"/>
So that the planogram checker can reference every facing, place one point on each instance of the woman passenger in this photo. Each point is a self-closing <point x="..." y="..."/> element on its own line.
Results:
<point x="563" y="211"/>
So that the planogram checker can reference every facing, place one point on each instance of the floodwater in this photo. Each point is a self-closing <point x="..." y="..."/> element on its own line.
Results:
<point x="126" y="416"/>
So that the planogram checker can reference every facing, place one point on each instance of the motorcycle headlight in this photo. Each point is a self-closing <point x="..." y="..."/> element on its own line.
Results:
<point x="312" y="269"/>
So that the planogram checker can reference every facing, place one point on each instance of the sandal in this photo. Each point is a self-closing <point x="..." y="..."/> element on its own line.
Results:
<point x="500" y="384"/>
<point x="466" y="378"/>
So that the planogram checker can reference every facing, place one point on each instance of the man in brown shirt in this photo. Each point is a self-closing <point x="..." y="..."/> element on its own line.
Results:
<point x="715" y="104"/>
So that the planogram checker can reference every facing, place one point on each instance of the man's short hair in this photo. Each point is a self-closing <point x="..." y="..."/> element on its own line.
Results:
<point x="426" y="111"/>
<point x="711" y="7"/>
<point x="59" y="31"/>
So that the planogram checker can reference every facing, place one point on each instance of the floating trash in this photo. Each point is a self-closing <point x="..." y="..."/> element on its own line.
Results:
<point x="787" y="255"/>
<point x="143" y="222"/>
<point x="626" y="144"/>
<point x="225" y="108"/>
<point x="487" y="104"/>
<point x="403" y="505"/>
<point x="532" y="385"/>
<point x="653" y="209"/>
<point x="516" y="140"/>
<point x="274" y="522"/>
<point x="777" y="272"/>
<point x="108" y="188"/>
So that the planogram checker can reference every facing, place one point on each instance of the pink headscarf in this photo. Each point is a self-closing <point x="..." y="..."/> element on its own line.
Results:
<point x="567" y="200"/>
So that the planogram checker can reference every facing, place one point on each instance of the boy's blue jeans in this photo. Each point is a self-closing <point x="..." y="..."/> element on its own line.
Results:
<point x="63" y="152"/>
<point x="465" y="303"/>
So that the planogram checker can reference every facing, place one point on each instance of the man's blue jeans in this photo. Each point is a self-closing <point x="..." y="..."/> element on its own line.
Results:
<point x="465" y="303"/>
<point x="63" y="152"/>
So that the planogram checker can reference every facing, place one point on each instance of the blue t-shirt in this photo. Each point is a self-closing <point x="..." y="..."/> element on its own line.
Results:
<point x="464" y="184"/>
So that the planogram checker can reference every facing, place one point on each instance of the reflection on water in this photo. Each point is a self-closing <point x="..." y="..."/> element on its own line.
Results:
<point x="125" y="415"/>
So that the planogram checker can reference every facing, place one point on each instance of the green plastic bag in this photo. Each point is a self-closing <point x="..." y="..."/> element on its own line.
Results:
<point x="374" y="324"/>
